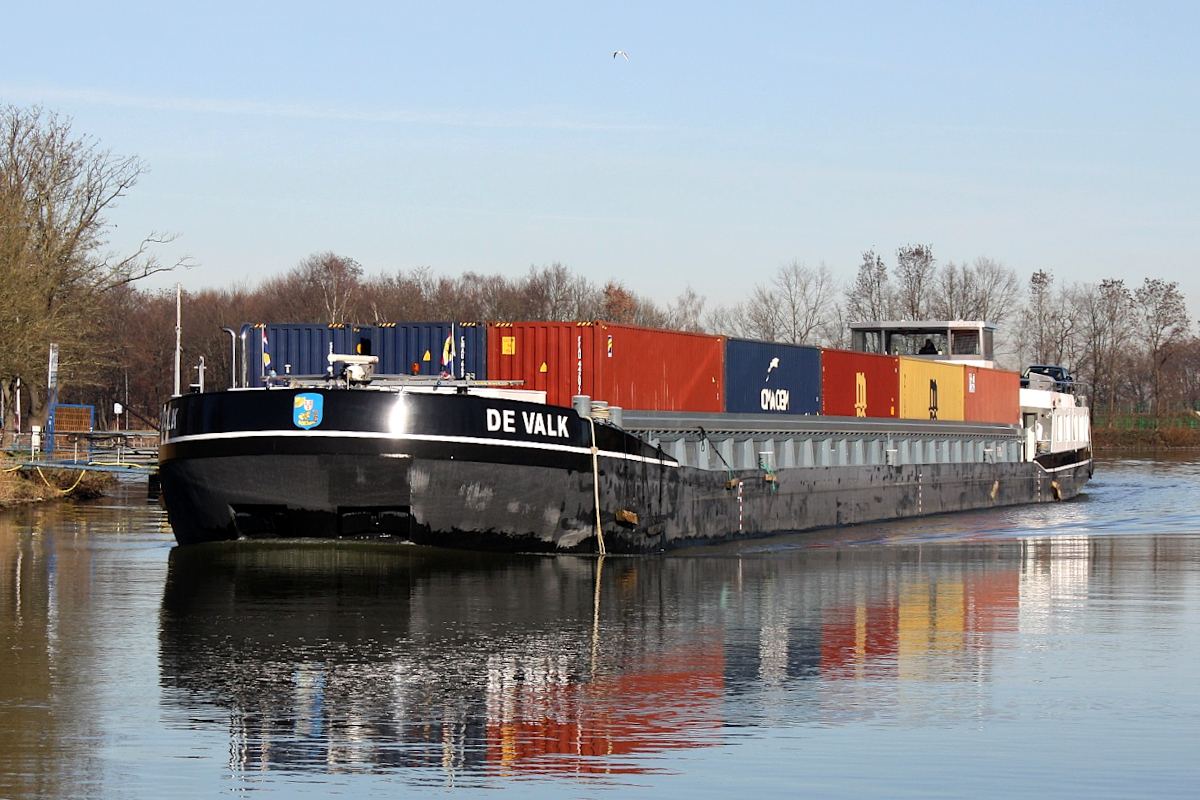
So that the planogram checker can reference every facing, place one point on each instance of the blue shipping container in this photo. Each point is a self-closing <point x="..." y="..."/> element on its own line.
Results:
<point x="771" y="378"/>
<point x="302" y="348"/>
<point x="459" y="348"/>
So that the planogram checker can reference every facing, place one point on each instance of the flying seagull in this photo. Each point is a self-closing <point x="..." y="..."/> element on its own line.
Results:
<point x="620" y="53"/>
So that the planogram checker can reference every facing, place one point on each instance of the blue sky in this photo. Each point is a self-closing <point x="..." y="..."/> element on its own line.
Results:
<point x="737" y="137"/>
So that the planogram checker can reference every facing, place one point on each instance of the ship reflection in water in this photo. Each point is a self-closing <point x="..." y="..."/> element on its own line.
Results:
<point x="341" y="658"/>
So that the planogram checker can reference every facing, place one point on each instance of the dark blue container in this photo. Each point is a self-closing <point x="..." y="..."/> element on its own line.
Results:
<point x="401" y="346"/>
<point x="771" y="378"/>
<point x="301" y="348"/>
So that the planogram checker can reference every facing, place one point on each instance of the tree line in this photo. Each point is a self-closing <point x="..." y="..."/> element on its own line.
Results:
<point x="59" y="282"/>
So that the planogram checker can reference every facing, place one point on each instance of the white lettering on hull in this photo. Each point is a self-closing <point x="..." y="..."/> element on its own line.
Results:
<point x="536" y="423"/>
<point x="505" y="420"/>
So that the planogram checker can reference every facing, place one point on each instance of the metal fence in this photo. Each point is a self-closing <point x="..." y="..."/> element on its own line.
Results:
<point x="115" y="448"/>
<point x="1145" y="421"/>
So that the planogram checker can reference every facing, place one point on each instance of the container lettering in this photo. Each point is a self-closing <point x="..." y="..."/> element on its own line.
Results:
<point x="776" y="400"/>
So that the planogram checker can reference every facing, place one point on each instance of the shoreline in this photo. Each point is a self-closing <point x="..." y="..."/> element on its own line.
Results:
<point x="22" y="486"/>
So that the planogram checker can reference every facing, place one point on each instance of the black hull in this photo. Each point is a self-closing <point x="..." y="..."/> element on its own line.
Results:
<point x="445" y="480"/>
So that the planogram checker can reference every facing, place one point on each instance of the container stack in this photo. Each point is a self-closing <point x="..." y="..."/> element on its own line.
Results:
<point x="624" y="365"/>
<point x="635" y="367"/>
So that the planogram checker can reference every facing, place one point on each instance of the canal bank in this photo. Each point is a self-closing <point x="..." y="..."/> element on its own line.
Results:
<point x="21" y="484"/>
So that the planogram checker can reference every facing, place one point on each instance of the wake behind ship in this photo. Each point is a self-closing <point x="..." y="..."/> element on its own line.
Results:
<point x="733" y="439"/>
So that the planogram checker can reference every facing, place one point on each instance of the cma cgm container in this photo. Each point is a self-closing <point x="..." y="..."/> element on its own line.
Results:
<point x="772" y="378"/>
<point x="991" y="395"/>
<point x="431" y="348"/>
<point x="300" y="348"/>
<point x="625" y="365"/>
<point x="930" y="389"/>
<point x="859" y="384"/>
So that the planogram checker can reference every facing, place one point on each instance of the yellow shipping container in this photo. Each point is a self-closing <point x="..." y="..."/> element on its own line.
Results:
<point x="930" y="390"/>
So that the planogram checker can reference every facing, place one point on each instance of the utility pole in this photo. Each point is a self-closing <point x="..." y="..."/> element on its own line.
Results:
<point x="232" y="357"/>
<point x="178" y="332"/>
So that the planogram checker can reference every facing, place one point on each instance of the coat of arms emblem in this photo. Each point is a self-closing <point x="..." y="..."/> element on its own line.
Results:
<point x="307" y="410"/>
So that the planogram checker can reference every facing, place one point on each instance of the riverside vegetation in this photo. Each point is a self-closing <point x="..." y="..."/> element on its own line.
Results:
<point x="21" y="486"/>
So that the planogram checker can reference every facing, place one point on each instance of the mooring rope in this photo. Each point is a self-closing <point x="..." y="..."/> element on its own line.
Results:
<point x="64" y="491"/>
<point x="704" y="438"/>
<point x="596" y="485"/>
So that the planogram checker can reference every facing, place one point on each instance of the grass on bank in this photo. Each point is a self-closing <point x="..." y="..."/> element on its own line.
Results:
<point x="18" y="486"/>
<point x="1126" y="430"/>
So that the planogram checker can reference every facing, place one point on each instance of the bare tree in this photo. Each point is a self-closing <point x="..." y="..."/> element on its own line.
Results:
<point x="686" y="314"/>
<point x="337" y="279"/>
<point x="984" y="290"/>
<point x="553" y="293"/>
<point x="955" y="292"/>
<point x="1104" y="311"/>
<point x="870" y="297"/>
<point x="1048" y="324"/>
<point x="805" y="296"/>
<point x="794" y="307"/>
<point x="998" y="290"/>
<point x="323" y="286"/>
<point x="835" y="329"/>
<point x="1161" y="320"/>
<point x="726" y="320"/>
<point x="1185" y="373"/>
<point x="55" y="269"/>
<point x="760" y="316"/>
<point x="915" y="273"/>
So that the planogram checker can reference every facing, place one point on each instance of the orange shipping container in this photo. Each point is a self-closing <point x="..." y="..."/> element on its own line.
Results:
<point x="930" y="389"/>
<point x="624" y="365"/>
<point x="992" y="395"/>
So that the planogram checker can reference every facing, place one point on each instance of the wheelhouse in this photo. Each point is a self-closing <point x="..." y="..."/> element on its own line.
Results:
<point x="959" y="341"/>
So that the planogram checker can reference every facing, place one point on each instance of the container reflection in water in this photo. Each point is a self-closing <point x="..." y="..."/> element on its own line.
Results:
<point x="425" y="660"/>
<point x="495" y="665"/>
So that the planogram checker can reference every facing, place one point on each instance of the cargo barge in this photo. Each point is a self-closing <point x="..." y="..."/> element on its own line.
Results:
<point x="498" y="462"/>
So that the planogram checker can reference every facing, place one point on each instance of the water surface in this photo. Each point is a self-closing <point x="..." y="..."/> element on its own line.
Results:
<point x="1043" y="651"/>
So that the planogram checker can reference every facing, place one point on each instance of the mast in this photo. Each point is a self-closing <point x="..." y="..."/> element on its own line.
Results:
<point x="178" y="332"/>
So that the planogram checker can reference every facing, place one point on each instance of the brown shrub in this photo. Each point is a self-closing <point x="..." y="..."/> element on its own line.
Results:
<point x="1178" y="437"/>
<point x="32" y="485"/>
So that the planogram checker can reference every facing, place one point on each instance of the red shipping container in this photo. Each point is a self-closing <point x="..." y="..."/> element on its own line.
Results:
<point x="624" y="365"/>
<point x="546" y="356"/>
<point x="859" y="384"/>
<point x="991" y="395"/>
<point x="657" y="370"/>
